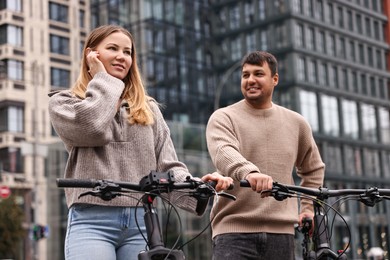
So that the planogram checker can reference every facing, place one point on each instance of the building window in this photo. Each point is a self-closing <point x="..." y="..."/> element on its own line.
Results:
<point x="340" y="17"/>
<point x="301" y="69"/>
<point x="330" y="14"/>
<point x="384" y="124"/>
<point x="319" y="13"/>
<point x="321" y="41"/>
<point x="58" y="12"/>
<point x="299" y="35"/>
<point x="361" y="54"/>
<point x="59" y="44"/>
<point x="350" y="119"/>
<point x="333" y="77"/>
<point x="359" y="23"/>
<point x="11" y="117"/>
<point x="309" y="108"/>
<point x="11" y="34"/>
<point x="332" y="45"/>
<point x="369" y="126"/>
<point x="350" y="20"/>
<point x="386" y="164"/>
<point x="368" y="27"/>
<point x="15" y="69"/>
<point x="371" y="163"/>
<point x="11" y="160"/>
<point x="250" y="42"/>
<point x="330" y="115"/>
<point x="59" y="78"/>
<point x="352" y="55"/>
<point x="341" y="48"/>
<point x="310" y="38"/>
<point x="261" y="13"/>
<point x="379" y="57"/>
<point x="344" y="79"/>
<point x="353" y="161"/>
<point x="333" y="159"/>
<point x="323" y="74"/>
<point x="312" y="71"/>
<point x="82" y="18"/>
<point x="234" y="17"/>
<point x="13" y="5"/>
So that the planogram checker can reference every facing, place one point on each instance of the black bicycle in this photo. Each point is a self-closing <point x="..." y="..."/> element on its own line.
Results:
<point x="151" y="186"/>
<point x="317" y="246"/>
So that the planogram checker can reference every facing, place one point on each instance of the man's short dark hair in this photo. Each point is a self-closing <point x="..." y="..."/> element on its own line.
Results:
<point x="259" y="57"/>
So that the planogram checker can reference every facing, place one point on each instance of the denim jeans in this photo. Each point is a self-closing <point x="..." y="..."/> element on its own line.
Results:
<point x="253" y="246"/>
<point x="104" y="233"/>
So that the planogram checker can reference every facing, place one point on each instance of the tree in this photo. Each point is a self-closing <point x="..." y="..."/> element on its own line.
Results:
<point x="11" y="229"/>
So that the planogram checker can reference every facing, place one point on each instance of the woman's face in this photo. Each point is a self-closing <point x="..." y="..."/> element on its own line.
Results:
<point x="115" y="54"/>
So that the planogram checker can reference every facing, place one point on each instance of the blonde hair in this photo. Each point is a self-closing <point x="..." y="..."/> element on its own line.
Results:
<point x="135" y="93"/>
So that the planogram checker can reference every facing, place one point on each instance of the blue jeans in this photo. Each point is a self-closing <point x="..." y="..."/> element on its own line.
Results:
<point x="104" y="233"/>
<point x="253" y="246"/>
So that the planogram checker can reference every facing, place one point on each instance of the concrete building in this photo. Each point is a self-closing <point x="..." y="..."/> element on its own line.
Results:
<point x="39" y="51"/>
<point x="333" y="65"/>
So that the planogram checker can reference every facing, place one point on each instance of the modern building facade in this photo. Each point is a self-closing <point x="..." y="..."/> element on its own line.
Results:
<point x="40" y="47"/>
<point x="333" y="66"/>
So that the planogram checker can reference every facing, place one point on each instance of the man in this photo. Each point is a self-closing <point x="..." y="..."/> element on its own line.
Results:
<point x="261" y="142"/>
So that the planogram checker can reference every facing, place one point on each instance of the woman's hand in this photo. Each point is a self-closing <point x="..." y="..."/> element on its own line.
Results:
<point x="94" y="64"/>
<point x="223" y="183"/>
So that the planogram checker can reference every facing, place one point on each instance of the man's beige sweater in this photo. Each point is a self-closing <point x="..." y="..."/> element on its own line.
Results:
<point x="272" y="141"/>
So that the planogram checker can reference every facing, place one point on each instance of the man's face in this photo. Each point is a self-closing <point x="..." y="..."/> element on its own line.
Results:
<point x="257" y="85"/>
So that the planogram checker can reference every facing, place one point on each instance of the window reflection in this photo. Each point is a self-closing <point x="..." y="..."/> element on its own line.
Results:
<point x="384" y="120"/>
<point x="330" y="115"/>
<point x="368" y="123"/>
<point x="308" y="102"/>
<point x="353" y="162"/>
<point x="350" y="119"/>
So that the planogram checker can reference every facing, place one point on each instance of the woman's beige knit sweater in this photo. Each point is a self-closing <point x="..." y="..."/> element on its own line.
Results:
<point x="103" y="145"/>
<point x="272" y="141"/>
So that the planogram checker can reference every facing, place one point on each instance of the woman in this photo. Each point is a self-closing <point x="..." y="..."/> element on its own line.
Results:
<point x="112" y="130"/>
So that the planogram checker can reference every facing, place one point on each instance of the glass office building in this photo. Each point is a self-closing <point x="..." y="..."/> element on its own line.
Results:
<point x="333" y="67"/>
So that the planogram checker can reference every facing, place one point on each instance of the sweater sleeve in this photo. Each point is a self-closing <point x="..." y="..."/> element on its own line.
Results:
<point x="223" y="146"/>
<point x="86" y="122"/>
<point x="167" y="160"/>
<point x="310" y="167"/>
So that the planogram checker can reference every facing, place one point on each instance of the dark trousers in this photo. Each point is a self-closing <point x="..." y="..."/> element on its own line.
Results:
<point x="248" y="246"/>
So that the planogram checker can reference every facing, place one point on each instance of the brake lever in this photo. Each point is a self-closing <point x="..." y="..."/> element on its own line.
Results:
<point x="226" y="195"/>
<point x="371" y="197"/>
<point x="104" y="195"/>
<point x="280" y="192"/>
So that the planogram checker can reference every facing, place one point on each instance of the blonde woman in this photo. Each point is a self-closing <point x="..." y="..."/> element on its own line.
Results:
<point x="112" y="130"/>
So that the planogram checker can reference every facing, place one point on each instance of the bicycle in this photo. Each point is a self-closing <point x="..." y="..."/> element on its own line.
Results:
<point x="318" y="246"/>
<point x="152" y="186"/>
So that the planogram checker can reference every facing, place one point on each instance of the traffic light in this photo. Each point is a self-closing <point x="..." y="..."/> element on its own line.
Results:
<point x="39" y="231"/>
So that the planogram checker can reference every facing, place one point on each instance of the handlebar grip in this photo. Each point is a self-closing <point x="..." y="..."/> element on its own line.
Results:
<point x="244" y="183"/>
<point x="76" y="183"/>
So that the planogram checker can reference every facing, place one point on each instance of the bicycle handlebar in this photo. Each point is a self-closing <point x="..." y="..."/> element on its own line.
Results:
<point x="158" y="182"/>
<point x="282" y="191"/>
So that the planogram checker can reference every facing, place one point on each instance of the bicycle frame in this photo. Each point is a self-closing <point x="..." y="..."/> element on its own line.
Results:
<point x="157" y="250"/>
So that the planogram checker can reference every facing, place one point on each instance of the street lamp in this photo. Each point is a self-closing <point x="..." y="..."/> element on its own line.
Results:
<point x="223" y="81"/>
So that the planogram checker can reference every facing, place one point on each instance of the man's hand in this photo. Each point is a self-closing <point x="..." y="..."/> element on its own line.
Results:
<point x="223" y="183"/>
<point x="260" y="182"/>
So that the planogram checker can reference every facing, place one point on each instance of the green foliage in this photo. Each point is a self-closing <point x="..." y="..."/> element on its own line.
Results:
<point x="11" y="230"/>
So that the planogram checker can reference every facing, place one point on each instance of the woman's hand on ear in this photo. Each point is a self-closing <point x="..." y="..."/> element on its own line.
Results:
<point x="94" y="64"/>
